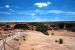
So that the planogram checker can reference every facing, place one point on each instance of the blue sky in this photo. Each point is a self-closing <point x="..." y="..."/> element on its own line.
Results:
<point x="37" y="10"/>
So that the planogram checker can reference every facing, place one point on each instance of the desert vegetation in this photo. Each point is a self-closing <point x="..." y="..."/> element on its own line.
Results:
<point x="42" y="28"/>
<point x="72" y="29"/>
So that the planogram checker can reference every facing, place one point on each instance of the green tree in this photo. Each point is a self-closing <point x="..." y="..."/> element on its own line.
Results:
<point x="42" y="28"/>
<point x="71" y="28"/>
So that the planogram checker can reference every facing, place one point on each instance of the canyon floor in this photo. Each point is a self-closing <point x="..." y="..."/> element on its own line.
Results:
<point x="34" y="40"/>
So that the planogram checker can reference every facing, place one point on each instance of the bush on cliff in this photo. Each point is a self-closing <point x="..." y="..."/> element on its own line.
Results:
<point x="42" y="28"/>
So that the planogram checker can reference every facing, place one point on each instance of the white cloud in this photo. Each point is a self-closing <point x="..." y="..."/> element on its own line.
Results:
<point x="37" y="19"/>
<point x="70" y="13"/>
<point x="37" y="10"/>
<point x="44" y="12"/>
<point x="55" y="11"/>
<point x="56" y="17"/>
<point x="11" y="10"/>
<point x="34" y="17"/>
<point x="7" y="6"/>
<point x="42" y="4"/>
<point x="33" y="14"/>
<point x="49" y="2"/>
<point x="60" y="11"/>
<point x="5" y="13"/>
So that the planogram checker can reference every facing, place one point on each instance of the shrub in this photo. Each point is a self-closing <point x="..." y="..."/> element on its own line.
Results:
<point x="23" y="36"/>
<point x="32" y="49"/>
<point x="24" y="39"/>
<point x="42" y="28"/>
<point x="72" y="29"/>
<point x="9" y="35"/>
<point x="61" y="25"/>
<point x="60" y="41"/>
<point x="46" y="33"/>
<point x="56" y="40"/>
<point x="16" y="39"/>
<point x="21" y="26"/>
<point x="52" y="33"/>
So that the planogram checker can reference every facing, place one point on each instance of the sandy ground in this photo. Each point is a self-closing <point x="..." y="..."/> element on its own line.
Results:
<point x="67" y="36"/>
<point x="37" y="41"/>
<point x="33" y="40"/>
<point x="62" y="33"/>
